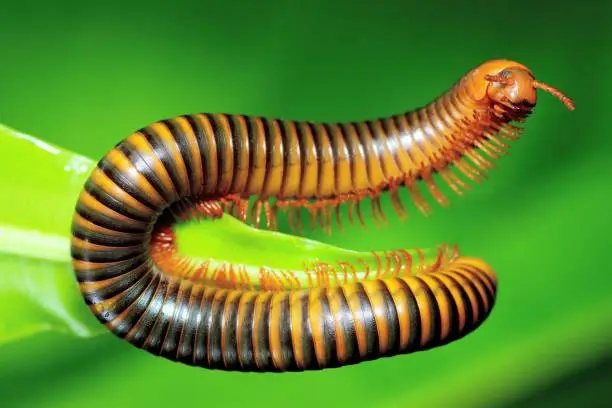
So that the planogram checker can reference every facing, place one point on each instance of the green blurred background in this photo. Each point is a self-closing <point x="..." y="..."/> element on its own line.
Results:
<point x="84" y="76"/>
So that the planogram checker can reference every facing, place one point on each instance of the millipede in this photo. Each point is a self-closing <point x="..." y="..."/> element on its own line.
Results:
<point x="229" y="316"/>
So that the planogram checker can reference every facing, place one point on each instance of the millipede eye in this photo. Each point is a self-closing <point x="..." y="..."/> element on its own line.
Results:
<point x="500" y="79"/>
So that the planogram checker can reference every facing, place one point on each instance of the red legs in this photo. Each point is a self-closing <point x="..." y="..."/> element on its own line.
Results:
<point x="433" y="188"/>
<point x="210" y="209"/>
<point x="395" y="199"/>
<point x="485" y="135"/>
<point x="256" y="213"/>
<point x="455" y="183"/>
<point x="383" y="265"/>
<point x="472" y="147"/>
<point x="417" y="197"/>
<point x="187" y="209"/>
<point x="468" y="151"/>
<point x="357" y="205"/>
<point x="338" y="219"/>
<point x="481" y="134"/>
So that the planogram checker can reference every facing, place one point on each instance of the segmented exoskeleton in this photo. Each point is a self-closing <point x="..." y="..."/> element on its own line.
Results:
<point x="137" y="283"/>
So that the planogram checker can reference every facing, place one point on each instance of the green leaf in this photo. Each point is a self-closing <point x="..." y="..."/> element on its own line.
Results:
<point x="38" y="292"/>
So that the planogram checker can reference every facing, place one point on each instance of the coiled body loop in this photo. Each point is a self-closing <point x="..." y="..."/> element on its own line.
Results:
<point x="125" y="256"/>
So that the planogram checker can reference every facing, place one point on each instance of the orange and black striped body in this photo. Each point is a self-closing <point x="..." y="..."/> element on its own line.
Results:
<point x="216" y="159"/>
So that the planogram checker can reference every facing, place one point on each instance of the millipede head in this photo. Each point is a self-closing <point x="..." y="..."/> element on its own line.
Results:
<point x="514" y="85"/>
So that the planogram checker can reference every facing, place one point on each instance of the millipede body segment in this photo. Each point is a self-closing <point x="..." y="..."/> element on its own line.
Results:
<point x="228" y="316"/>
